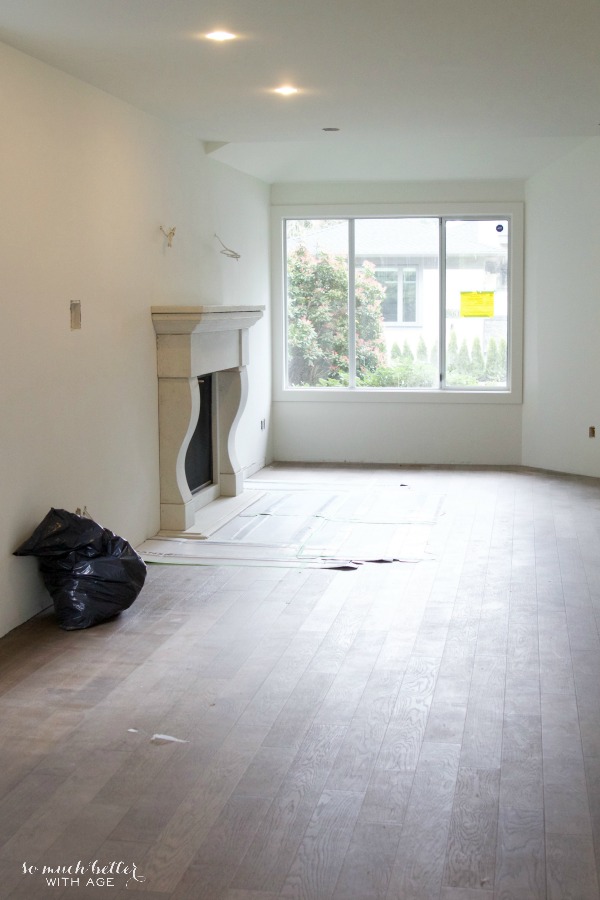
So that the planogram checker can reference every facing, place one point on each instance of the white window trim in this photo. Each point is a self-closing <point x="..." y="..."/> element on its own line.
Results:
<point x="513" y="394"/>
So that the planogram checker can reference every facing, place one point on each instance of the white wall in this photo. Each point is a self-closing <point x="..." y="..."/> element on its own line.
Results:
<point x="404" y="430"/>
<point x="401" y="433"/>
<point x="562" y="322"/>
<point x="397" y="192"/>
<point x="85" y="183"/>
<point x="241" y="219"/>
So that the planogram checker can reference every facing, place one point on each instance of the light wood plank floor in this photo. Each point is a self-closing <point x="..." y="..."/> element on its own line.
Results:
<point x="414" y="731"/>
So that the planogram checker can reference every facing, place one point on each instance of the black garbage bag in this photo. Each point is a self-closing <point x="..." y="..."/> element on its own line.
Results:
<point x="91" y="574"/>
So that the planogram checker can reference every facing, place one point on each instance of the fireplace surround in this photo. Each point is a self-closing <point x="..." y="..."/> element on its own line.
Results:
<point x="192" y="341"/>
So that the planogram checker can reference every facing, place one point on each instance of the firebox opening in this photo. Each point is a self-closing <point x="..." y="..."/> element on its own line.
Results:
<point x="199" y="456"/>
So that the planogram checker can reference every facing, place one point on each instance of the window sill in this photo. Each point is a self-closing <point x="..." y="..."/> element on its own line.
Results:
<point x="394" y="395"/>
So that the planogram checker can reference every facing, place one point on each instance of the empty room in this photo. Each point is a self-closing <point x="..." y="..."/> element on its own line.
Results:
<point x="301" y="310"/>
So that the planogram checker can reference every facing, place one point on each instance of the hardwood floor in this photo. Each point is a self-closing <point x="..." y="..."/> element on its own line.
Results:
<point x="409" y="731"/>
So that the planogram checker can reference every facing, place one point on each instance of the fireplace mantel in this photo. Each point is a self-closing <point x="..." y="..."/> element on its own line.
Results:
<point x="195" y="319"/>
<point x="192" y="341"/>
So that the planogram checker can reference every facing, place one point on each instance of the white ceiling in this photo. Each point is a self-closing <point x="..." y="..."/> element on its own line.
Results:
<point x="420" y="89"/>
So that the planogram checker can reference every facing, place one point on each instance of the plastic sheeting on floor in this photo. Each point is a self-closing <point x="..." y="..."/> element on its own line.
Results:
<point x="308" y="527"/>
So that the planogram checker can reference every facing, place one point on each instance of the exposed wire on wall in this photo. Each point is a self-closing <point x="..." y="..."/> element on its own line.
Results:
<point x="226" y="251"/>
<point x="170" y="234"/>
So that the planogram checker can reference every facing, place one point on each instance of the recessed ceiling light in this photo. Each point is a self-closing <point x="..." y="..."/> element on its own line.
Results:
<point x="220" y="36"/>
<point x="286" y="90"/>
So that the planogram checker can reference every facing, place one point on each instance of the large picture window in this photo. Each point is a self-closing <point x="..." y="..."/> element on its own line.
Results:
<point x="419" y="303"/>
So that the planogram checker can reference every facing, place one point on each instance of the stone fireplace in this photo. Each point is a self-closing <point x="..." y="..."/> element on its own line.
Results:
<point x="196" y="341"/>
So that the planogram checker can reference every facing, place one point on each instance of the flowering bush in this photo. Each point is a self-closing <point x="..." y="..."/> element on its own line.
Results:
<point x="318" y="319"/>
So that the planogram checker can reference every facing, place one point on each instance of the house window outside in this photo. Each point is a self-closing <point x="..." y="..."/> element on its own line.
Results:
<point x="409" y="295"/>
<point x="398" y="303"/>
<point x="387" y="276"/>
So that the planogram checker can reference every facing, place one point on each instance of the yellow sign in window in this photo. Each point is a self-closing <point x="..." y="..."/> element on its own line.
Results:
<point x="477" y="303"/>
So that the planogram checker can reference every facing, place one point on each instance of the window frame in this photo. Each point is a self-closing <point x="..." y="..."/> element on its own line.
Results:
<point x="513" y="393"/>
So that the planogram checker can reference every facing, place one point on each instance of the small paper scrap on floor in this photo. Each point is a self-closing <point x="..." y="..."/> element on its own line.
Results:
<point x="165" y="739"/>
